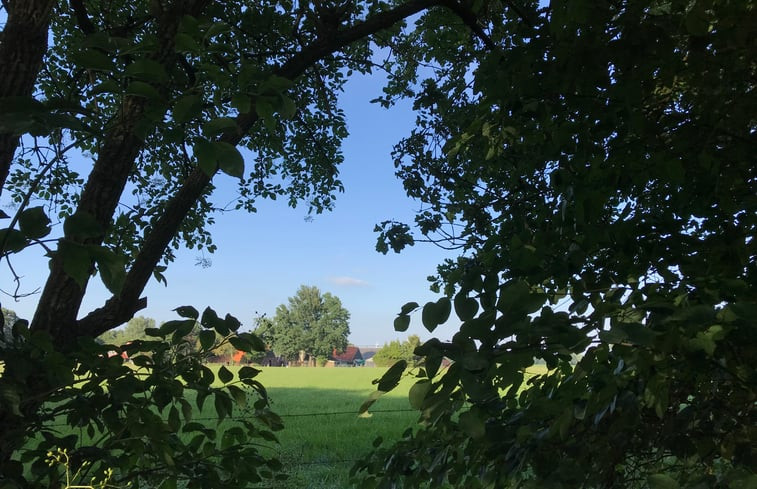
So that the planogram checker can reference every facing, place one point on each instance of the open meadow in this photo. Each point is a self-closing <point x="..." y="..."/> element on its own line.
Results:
<point x="323" y="434"/>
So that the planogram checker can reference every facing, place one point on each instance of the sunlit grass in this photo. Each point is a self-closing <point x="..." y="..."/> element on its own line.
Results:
<point x="323" y="434"/>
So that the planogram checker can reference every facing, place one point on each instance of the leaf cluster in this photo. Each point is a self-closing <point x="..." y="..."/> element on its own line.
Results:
<point x="596" y="171"/>
<point x="143" y="414"/>
<point x="395" y="350"/>
<point x="312" y="323"/>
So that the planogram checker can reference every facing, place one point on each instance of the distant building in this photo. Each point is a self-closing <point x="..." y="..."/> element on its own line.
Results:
<point x="350" y="357"/>
<point x="271" y="360"/>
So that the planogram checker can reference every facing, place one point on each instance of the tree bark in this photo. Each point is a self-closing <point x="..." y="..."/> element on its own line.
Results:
<point x="121" y="308"/>
<point x="23" y="43"/>
<point x="62" y="296"/>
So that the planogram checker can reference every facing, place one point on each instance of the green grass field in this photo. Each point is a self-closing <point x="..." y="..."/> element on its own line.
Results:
<point x="323" y="435"/>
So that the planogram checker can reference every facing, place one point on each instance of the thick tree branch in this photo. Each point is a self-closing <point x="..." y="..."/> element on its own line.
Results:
<point x="23" y="43"/>
<point x="469" y="18"/>
<point x="82" y="19"/>
<point x="121" y="308"/>
<point x="62" y="295"/>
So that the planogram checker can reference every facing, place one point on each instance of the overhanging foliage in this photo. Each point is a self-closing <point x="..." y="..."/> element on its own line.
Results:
<point x="596" y="169"/>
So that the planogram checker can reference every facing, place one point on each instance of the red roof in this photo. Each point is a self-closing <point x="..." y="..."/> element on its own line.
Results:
<point x="349" y="355"/>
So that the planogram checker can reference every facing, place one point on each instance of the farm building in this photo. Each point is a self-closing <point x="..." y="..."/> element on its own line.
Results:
<point x="350" y="357"/>
<point x="271" y="360"/>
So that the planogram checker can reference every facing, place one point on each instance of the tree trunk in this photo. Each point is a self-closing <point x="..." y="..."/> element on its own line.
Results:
<point x="22" y="47"/>
<point x="23" y="43"/>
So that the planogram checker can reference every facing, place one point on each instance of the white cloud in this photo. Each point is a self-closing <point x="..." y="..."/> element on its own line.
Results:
<point x="348" y="282"/>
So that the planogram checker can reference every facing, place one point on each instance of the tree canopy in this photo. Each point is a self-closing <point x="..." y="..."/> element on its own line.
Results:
<point x="312" y="323"/>
<point x="596" y="169"/>
<point x="395" y="350"/>
<point x="135" y="329"/>
<point x="115" y="120"/>
<point x="593" y="162"/>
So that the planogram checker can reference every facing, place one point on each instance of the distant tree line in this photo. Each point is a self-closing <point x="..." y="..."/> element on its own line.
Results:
<point x="309" y="328"/>
<point x="395" y="351"/>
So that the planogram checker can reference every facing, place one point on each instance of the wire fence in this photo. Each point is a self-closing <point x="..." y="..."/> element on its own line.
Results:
<point x="290" y="462"/>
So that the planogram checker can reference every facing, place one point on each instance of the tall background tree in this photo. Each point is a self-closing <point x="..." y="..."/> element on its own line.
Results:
<point x="135" y="329"/>
<point x="312" y="325"/>
<point x="154" y="100"/>
<point x="596" y="169"/>
<point x="396" y="350"/>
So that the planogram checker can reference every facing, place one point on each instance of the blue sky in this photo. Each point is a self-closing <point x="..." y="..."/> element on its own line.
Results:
<point x="263" y="258"/>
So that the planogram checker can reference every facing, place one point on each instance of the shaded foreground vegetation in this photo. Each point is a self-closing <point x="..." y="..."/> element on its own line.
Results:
<point x="323" y="435"/>
<point x="593" y="162"/>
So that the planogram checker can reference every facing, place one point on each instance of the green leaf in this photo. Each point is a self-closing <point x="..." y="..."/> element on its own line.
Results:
<point x="76" y="259"/>
<point x="257" y="343"/>
<point x="698" y="21"/>
<point x="147" y="69"/>
<point x="186" y="43"/>
<point x="219" y="125"/>
<point x="187" y="312"/>
<point x="472" y="423"/>
<point x="187" y="108"/>
<point x="288" y="107"/>
<point x="242" y="102"/>
<point x="514" y="297"/>
<point x="82" y="225"/>
<point x="216" y="29"/>
<point x="144" y="90"/>
<point x="276" y="84"/>
<point x="94" y="59"/>
<point x="248" y="372"/>
<point x="186" y="410"/>
<point x="264" y="109"/>
<point x="174" y="422"/>
<point x="12" y="240"/>
<point x="230" y="159"/>
<point x="225" y="375"/>
<point x="743" y="481"/>
<point x="169" y="327"/>
<point x="240" y="343"/>
<point x="392" y="376"/>
<point x="168" y="483"/>
<point x="409" y="307"/>
<point x="375" y="395"/>
<point x="474" y="361"/>
<point x="34" y="223"/>
<point x="11" y="399"/>
<point x="207" y="158"/>
<point x="238" y="395"/>
<point x="211" y="320"/>
<point x="432" y="364"/>
<point x="401" y="323"/>
<point x="662" y="481"/>
<point x="185" y="327"/>
<point x="207" y="339"/>
<point x="222" y="405"/>
<point x="418" y="393"/>
<point x="435" y="313"/>
<point x="465" y="307"/>
<point x="112" y="267"/>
